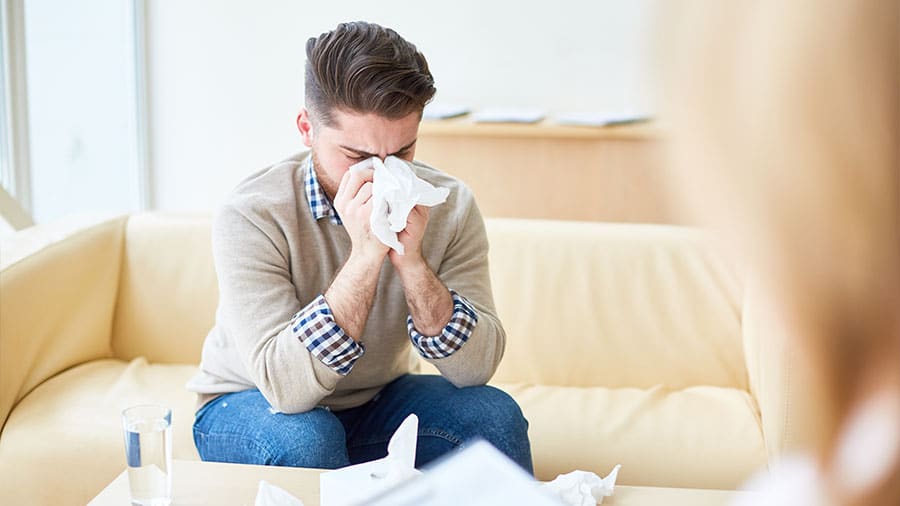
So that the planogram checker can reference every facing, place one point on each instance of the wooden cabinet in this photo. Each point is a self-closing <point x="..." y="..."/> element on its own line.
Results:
<point x="551" y="171"/>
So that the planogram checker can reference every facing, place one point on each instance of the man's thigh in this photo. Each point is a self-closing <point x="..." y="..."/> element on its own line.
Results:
<point x="448" y="418"/>
<point x="242" y="428"/>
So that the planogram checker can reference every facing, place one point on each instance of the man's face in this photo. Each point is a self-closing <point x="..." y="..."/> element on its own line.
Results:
<point x="353" y="138"/>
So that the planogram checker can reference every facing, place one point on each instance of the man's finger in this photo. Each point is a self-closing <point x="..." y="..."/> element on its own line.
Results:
<point x="364" y="193"/>
<point x="355" y="180"/>
<point x="341" y="190"/>
<point x="422" y="211"/>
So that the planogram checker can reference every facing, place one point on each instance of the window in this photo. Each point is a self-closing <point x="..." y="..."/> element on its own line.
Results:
<point x="72" y="116"/>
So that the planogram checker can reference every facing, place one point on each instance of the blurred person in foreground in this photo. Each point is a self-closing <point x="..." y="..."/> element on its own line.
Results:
<point x="785" y="139"/>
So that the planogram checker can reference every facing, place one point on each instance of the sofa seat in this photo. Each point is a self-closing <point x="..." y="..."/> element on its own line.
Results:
<point x="73" y="421"/>
<point x="615" y="426"/>
<point x="684" y="438"/>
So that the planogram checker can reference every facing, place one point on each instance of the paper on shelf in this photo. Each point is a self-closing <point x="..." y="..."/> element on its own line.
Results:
<point x="599" y="119"/>
<point x="396" y="190"/>
<point x="436" y="110"/>
<point x="508" y="115"/>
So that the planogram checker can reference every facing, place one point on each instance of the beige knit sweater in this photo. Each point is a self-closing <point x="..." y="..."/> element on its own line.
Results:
<point x="272" y="258"/>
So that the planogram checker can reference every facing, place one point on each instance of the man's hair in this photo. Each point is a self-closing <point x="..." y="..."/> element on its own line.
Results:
<point x="365" y="68"/>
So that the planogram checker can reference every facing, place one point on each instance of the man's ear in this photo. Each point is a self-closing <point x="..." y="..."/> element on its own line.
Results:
<point x="305" y="126"/>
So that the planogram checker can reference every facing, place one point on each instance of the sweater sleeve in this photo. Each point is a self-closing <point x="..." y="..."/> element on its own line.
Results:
<point x="259" y="310"/>
<point x="464" y="269"/>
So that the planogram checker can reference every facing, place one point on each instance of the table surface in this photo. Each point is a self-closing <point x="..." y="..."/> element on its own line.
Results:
<point x="204" y="483"/>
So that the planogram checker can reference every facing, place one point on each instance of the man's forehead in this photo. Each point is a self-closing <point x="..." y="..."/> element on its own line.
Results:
<point x="369" y="151"/>
<point x="370" y="134"/>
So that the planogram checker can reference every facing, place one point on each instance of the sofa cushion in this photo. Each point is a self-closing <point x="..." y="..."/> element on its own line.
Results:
<point x="614" y="305"/>
<point x="70" y="427"/>
<point x="168" y="291"/>
<point x="698" y="437"/>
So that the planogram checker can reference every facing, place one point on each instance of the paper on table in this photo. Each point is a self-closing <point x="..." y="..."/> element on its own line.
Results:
<point x="396" y="190"/>
<point x="477" y="474"/>
<point x="582" y="488"/>
<point x="355" y="484"/>
<point x="270" y="495"/>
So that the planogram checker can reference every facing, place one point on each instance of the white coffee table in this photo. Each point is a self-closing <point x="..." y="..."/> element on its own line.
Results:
<point x="198" y="483"/>
<point x="205" y="483"/>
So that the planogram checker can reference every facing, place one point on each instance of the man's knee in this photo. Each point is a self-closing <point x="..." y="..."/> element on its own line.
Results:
<point x="312" y="439"/>
<point x="499" y="410"/>
<point x="496" y="417"/>
<point x="319" y="443"/>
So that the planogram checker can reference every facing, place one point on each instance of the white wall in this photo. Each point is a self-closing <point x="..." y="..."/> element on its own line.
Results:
<point x="225" y="77"/>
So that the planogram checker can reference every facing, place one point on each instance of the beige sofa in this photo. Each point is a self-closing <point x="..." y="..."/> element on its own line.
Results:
<point x="628" y="344"/>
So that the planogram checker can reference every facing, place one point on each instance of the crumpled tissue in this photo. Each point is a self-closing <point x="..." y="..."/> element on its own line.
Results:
<point x="356" y="484"/>
<point x="396" y="190"/>
<point x="582" y="488"/>
<point x="270" y="495"/>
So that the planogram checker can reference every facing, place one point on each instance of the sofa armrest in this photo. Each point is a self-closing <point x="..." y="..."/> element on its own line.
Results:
<point x="58" y="285"/>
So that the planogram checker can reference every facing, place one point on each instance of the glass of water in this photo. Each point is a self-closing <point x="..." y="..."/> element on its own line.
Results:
<point x="148" y="450"/>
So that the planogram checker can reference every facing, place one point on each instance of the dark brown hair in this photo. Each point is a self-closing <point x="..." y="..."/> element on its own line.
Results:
<point x="365" y="68"/>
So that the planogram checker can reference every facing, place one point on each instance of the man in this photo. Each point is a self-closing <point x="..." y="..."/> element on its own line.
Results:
<point x="309" y="361"/>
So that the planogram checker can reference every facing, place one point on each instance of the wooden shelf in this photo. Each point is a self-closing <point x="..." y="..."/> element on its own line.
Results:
<point x="465" y="126"/>
<point x="551" y="171"/>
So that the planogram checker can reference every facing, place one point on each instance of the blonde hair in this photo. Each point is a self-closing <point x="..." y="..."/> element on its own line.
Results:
<point x="784" y="119"/>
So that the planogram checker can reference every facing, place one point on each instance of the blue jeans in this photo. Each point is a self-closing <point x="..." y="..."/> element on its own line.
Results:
<point x="239" y="427"/>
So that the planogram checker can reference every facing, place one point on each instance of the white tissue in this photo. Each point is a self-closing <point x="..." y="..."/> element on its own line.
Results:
<point x="477" y="474"/>
<point x="582" y="488"/>
<point x="270" y="495"/>
<point x="356" y="484"/>
<point x="395" y="191"/>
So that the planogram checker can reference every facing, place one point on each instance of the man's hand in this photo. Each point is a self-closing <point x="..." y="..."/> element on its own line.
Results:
<point x="353" y="203"/>
<point x="428" y="299"/>
<point x="351" y="293"/>
<point x="411" y="239"/>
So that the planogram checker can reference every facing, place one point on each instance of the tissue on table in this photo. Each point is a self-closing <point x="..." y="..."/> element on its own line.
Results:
<point x="582" y="488"/>
<point x="477" y="474"/>
<point x="270" y="495"/>
<point x="353" y="485"/>
<point x="396" y="190"/>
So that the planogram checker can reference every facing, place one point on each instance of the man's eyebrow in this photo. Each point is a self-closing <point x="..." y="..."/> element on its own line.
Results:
<point x="370" y="155"/>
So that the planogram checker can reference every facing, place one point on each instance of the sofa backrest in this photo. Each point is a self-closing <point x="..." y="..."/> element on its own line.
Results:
<point x="57" y="297"/>
<point x="167" y="291"/>
<point x="583" y="304"/>
<point x="614" y="305"/>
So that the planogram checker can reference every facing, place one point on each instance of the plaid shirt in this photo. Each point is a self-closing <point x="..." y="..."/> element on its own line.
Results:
<point x="319" y="203"/>
<point x="315" y="326"/>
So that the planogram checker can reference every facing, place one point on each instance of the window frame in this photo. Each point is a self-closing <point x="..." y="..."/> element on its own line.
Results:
<point x="15" y="164"/>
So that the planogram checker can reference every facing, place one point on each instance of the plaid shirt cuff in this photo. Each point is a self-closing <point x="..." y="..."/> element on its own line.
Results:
<point x="315" y="327"/>
<point x="454" y="335"/>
